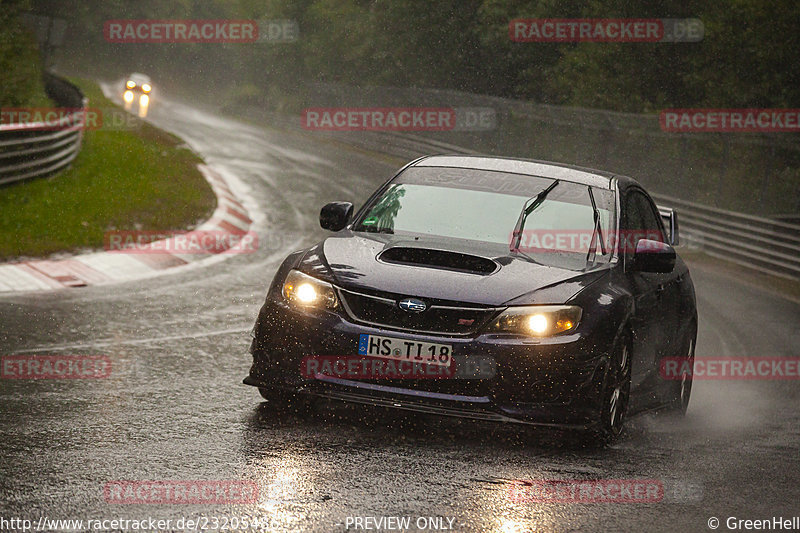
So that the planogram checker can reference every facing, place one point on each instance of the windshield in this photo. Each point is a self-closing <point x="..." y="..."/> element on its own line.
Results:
<point x="460" y="203"/>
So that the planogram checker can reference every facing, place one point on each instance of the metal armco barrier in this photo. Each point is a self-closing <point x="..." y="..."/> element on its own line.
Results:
<point x="768" y="245"/>
<point x="36" y="149"/>
<point x="763" y="244"/>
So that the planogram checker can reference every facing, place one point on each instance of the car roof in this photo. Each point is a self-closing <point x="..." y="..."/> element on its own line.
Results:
<point x="138" y="76"/>
<point x="545" y="169"/>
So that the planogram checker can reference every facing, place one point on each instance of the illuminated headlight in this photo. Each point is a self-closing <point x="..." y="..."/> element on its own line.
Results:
<point x="303" y="290"/>
<point x="128" y="96"/>
<point x="144" y="100"/>
<point x="537" y="320"/>
<point x="130" y="84"/>
<point x="146" y="87"/>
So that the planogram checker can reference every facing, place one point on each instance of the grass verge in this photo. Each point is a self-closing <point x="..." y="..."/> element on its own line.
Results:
<point x="139" y="178"/>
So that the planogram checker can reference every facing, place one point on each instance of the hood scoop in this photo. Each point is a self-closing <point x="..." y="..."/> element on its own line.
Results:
<point x="441" y="259"/>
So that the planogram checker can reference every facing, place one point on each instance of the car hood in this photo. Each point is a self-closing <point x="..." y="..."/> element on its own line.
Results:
<point x="358" y="261"/>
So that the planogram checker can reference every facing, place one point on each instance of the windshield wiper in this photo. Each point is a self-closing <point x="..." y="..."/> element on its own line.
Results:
<point x="597" y="229"/>
<point x="534" y="201"/>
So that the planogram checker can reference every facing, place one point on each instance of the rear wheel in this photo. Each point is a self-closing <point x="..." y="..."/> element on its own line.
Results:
<point x="616" y="392"/>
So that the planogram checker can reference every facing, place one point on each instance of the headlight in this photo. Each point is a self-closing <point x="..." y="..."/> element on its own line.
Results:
<point x="128" y="96"/>
<point x="146" y="87"/>
<point x="303" y="290"/>
<point x="537" y="320"/>
<point x="130" y="84"/>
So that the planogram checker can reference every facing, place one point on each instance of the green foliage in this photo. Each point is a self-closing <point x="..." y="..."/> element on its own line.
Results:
<point x="20" y="64"/>
<point x="125" y="180"/>
<point x="747" y="57"/>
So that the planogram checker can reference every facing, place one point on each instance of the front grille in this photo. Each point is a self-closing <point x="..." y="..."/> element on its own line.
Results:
<point x="438" y="318"/>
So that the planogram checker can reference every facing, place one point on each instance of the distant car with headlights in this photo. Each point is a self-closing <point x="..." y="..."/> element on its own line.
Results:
<point x="138" y="89"/>
<point x="554" y="291"/>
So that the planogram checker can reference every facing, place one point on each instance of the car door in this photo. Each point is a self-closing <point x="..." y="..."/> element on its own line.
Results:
<point x="650" y="323"/>
<point x="668" y="289"/>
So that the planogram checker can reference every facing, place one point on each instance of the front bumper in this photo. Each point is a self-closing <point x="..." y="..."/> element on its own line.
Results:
<point x="554" y="381"/>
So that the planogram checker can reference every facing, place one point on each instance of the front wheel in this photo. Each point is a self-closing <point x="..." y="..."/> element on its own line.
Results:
<point x="682" y="390"/>
<point x="616" y="392"/>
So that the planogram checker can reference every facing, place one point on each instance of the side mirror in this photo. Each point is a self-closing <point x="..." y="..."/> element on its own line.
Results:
<point x="653" y="256"/>
<point x="335" y="215"/>
<point x="670" y="218"/>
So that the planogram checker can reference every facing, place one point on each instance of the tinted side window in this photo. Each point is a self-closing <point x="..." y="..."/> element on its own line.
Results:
<point x="633" y="218"/>
<point x="641" y="222"/>
<point x="650" y="218"/>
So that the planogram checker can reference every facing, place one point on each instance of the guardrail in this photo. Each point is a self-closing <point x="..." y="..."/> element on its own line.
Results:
<point x="38" y="149"/>
<point x="767" y="245"/>
<point x="763" y="244"/>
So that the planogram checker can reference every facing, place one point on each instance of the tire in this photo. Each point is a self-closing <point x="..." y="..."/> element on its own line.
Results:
<point x="616" y="392"/>
<point x="682" y="391"/>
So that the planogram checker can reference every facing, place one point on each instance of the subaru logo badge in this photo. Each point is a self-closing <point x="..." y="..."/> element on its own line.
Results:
<point x="412" y="305"/>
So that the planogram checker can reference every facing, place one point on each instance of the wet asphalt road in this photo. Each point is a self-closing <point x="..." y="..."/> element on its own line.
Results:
<point x="174" y="406"/>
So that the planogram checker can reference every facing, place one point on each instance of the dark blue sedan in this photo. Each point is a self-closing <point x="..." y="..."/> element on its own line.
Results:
<point x="487" y="288"/>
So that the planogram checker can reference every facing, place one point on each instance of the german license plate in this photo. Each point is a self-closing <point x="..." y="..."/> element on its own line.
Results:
<point x="405" y="350"/>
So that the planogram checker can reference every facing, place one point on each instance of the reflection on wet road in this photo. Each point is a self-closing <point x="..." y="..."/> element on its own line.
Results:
<point x="174" y="407"/>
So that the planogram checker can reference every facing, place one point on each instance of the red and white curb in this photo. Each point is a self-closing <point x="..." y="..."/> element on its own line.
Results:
<point x="230" y="218"/>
